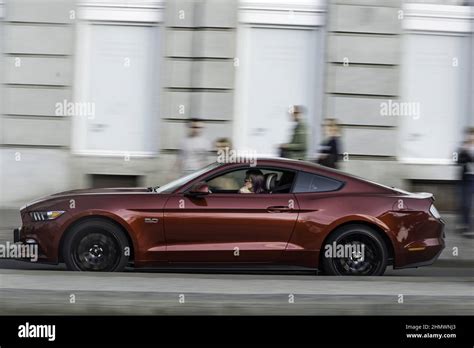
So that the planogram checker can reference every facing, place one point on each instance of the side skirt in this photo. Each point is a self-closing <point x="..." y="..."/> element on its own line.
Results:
<point x="231" y="268"/>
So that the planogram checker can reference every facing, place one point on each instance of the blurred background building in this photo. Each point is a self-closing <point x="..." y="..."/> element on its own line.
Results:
<point x="97" y="92"/>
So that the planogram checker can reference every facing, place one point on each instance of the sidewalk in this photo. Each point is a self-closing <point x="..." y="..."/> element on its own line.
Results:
<point x="454" y="239"/>
<point x="10" y="219"/>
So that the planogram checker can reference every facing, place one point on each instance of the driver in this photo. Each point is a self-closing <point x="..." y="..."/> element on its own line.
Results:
<point x="254" y="182"/>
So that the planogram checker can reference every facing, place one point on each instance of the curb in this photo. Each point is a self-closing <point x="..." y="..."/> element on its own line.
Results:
<point x="453" y="263"/>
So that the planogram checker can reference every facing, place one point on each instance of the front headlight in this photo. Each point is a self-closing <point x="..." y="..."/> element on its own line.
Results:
<point x="435" y="212"/>
<point x="46" y="215"/>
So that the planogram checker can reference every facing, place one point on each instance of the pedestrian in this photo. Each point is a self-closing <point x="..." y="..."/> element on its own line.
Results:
<point x="466" y="160"/>
<point x="222" y="146"/>
<point x="297" y="147"/>
<point x="329" y="150"/>
<point x="194" y="148"/>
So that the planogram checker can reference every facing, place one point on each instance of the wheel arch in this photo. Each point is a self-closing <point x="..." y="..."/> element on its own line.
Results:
<point x="378" y="229"/>
<point x="100" y="217"/>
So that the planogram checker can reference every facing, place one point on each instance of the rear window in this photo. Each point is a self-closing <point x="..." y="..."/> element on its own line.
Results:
<point x="307" y="182"/>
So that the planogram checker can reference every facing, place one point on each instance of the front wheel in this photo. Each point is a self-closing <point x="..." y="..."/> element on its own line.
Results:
<point x="355" y="250"/>
<point x="96" y="245"/>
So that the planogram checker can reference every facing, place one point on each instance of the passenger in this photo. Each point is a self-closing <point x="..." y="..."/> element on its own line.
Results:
<point x="254" y="183"/>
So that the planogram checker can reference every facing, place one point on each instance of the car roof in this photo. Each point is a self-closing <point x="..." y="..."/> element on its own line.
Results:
<point x="302" y="165"/>
<point x="288" y="163"/>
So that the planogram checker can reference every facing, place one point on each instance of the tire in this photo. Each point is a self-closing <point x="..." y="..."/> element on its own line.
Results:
<point x="96" y="245"/>
<point x="366" y="256"/>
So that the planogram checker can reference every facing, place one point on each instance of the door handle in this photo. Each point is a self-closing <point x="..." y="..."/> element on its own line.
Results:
<point x="278" y="209"/>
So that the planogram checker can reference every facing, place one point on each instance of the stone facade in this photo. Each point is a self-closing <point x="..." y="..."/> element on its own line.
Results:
<point x="201" y="58"/>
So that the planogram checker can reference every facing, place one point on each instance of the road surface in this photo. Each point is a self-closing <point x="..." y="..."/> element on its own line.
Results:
<point x="52" y="290"/>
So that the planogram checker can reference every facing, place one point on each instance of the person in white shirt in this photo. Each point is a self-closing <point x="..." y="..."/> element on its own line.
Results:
<point x="194" y="149"/>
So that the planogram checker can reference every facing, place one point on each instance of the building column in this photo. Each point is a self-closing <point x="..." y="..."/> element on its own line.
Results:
<point x="38" y="68"/>
<point x="199" y="60"/>
<point x="363" y="60"/>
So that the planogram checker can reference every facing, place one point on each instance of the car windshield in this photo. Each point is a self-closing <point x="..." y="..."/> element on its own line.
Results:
<point x="173" y="185"/>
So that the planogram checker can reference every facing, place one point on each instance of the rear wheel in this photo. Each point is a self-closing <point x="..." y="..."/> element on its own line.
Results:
<point x="96" y="245"/>
<point x="355" y="250"/>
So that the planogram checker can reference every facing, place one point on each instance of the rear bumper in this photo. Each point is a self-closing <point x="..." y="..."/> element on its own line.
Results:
<point x="425" y="249"/>
<point x="427" y="262"/>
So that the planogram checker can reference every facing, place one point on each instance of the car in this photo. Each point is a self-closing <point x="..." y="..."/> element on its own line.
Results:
<point x="308" y="217"/>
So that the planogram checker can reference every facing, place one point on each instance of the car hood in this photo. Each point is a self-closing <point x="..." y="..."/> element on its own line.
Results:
<point x="101" y="190"/>
<point x="72" y="193"/>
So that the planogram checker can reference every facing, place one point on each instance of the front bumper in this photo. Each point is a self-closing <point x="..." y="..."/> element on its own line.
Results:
<point x="16" y="235"/>
<point x="22" y="236"/>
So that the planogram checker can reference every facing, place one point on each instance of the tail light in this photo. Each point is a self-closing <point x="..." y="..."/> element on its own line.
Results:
<point x="435" y="212"/>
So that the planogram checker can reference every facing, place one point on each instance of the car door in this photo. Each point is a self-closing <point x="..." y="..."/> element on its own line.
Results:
<point x="318" y="209"/>
<point x="229" y="227"/>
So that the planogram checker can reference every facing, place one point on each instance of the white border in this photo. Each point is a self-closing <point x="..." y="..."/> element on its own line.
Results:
<point x="283" y="12"/>
<point x="436" y="161"/>
<point x="440" y="18"/>
<point x="109" y="153"/>
<point x="143" y="11"/>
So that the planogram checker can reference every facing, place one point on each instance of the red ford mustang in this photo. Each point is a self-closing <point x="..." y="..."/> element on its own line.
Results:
<point x="305" y="216"/>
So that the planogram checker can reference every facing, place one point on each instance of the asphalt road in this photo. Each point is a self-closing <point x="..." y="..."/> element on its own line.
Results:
<point x="39" y="289"/>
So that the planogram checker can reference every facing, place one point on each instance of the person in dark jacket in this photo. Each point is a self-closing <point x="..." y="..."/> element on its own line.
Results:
<point x="330" y="148"/>
<point x="466" y="160"/>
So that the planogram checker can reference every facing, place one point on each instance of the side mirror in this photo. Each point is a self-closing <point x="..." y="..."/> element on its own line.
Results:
<point x="199" y="190"/>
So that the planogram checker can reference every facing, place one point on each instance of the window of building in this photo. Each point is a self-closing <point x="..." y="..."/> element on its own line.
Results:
<point x="435" y="78"/>
<point x="117" y="77"/>
<point x="280" y="63"/>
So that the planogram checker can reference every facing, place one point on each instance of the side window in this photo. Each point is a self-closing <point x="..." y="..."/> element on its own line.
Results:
<point x="228" y="182"/>
<point x="307" y="182"/>
<point x="271" y="181"/>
